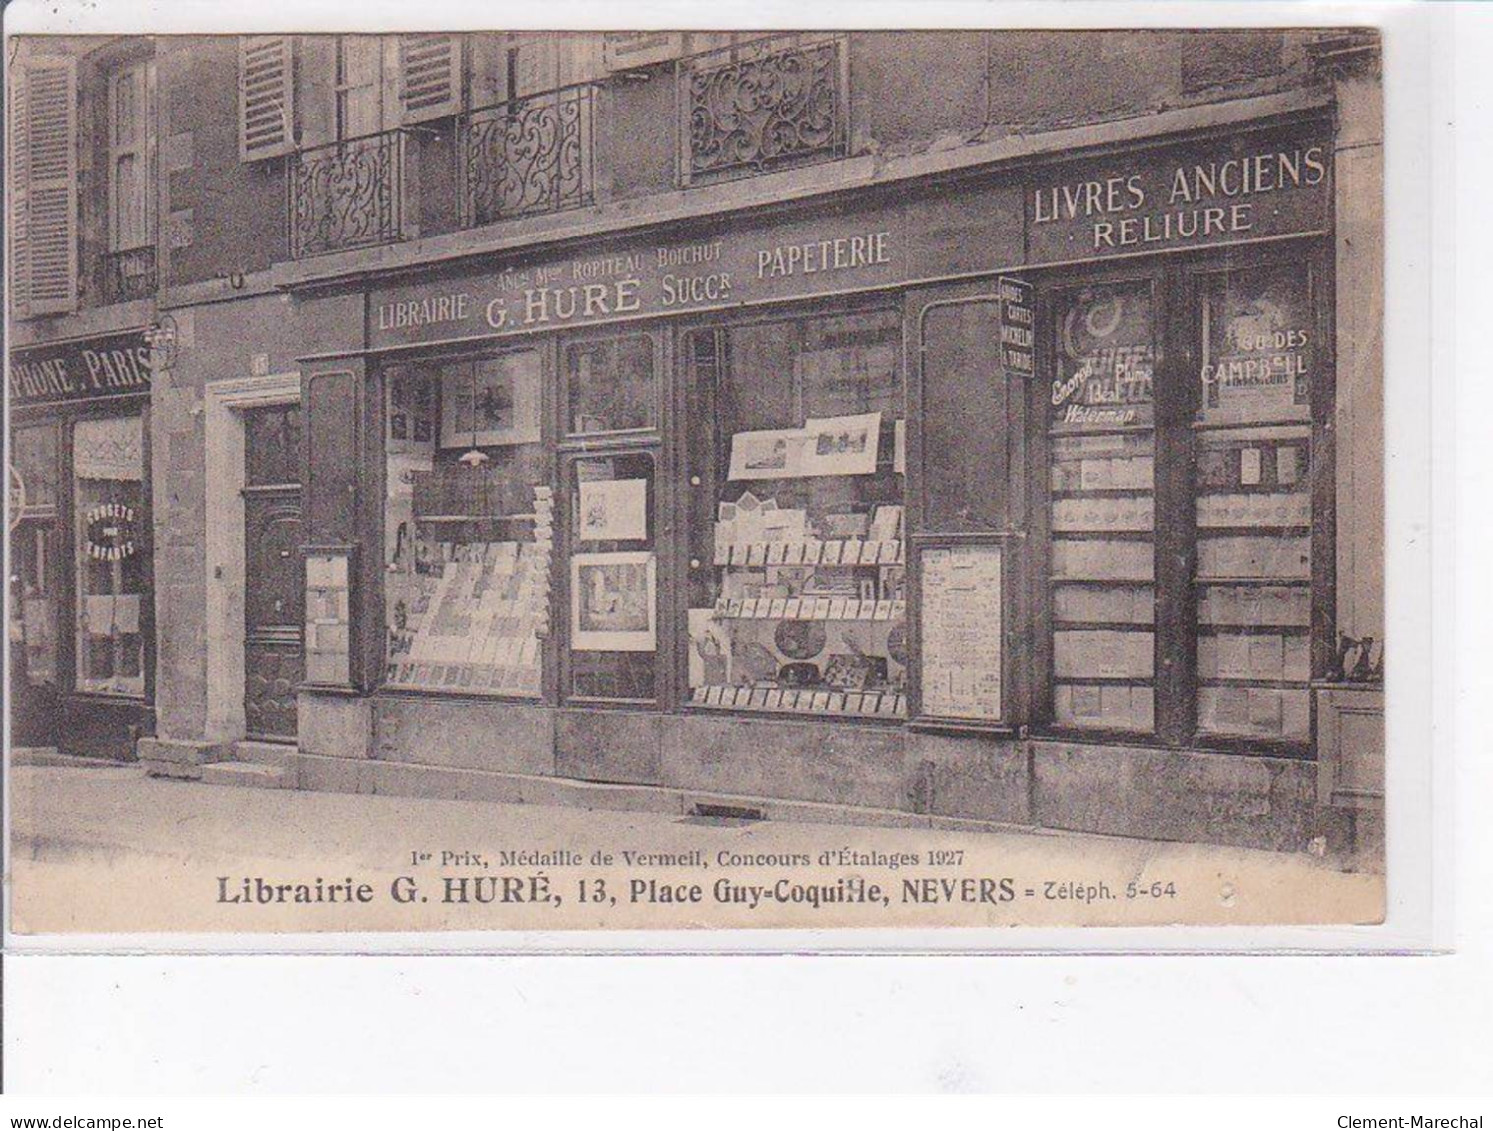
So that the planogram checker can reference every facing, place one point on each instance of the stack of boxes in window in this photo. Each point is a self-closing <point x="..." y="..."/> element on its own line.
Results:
<point x="475" y="607"/>
<point x="1103" y="513"/>
<point x="1254" y="597"/>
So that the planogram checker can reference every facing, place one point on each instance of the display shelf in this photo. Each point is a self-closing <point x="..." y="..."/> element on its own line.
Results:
<point x="476" y="517"/>
<point x="1059" y="625"/>
<point x="470" y="614"/>
<point x="846" y="552"/>
<point x="1255" y="579"/>
<point x="775" y="698"/>
<point x="879" y="610"/>
<point x="818" y="613"/>
<point x="1259" y="628"/>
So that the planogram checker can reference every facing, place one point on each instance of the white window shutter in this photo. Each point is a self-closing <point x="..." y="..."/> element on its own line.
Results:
<point x="429" y="77"/>
<point x="17" y="200"/>
<point x="44" y="193"/>
<point x="266" y="79"/>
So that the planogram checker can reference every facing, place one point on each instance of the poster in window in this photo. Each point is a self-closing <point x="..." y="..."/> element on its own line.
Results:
<point x="614" y="510"/>
<point x="490" y="402"/>
<point x="962" y="653"/>
<point x="1257" y="347"/>
<point x="773" y="454"/>
<point x="613" y="607"/>
<point x="1105" y="359"/>
<point x="842" y="445"/>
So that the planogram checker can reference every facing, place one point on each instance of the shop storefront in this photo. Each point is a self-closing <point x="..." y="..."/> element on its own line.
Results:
<point x="81" y="604"/>
<point x="911" y="503"/>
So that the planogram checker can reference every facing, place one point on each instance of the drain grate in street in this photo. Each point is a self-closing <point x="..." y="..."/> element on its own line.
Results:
<point x="723" y="816"/>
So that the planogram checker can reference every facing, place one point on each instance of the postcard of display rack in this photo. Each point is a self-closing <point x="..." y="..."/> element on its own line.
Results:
<point x="330" y="574"/>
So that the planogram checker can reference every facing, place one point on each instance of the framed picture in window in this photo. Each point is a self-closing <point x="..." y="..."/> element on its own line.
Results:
<point x="613" y="605"/>
<point x="491" y="401"/>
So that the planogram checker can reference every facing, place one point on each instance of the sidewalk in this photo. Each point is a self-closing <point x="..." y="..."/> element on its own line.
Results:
<point x="105" y="847"/>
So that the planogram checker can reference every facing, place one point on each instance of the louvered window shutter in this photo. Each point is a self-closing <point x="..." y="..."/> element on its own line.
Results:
<point x="429" y="76"/>
<point x="266" y="98"/>
<point x="44" y="193"/>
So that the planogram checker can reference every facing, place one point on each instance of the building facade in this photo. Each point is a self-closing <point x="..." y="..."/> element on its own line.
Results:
<point x="926" y="425"/>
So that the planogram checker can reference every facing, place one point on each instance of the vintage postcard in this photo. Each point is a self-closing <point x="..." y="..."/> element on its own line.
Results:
<point x="556" y="481"/>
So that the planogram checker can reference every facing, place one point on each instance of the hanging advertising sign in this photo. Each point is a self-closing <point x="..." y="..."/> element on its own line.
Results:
<point x="1018" y="322"/>
<point x="1105" y="359"/>
<point x="1258" y="343"/>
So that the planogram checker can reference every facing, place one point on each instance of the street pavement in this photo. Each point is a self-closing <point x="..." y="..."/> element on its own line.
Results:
<point x="105" y="848"/>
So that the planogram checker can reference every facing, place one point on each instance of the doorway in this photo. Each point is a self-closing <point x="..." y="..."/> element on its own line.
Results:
<point x="273" y="589"/>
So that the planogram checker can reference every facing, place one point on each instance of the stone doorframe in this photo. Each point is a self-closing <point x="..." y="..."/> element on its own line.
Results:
<point x="224" y="405"/>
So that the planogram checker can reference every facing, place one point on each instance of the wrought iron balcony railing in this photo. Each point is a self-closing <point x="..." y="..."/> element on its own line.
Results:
<point x="130" y="275"/>
<point x="350" y="194"/>
<point x="527" y="156"/>
<point x="768" y="104"/>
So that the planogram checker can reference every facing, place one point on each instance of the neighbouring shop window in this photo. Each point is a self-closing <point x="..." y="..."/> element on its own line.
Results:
<point x="612" y="385"/>
<point x="1102" y="456"/>
<point x="108" y="509"/>
<point x="799" y="588"/>
<point x="1254" y="513"/>
<point x="613" y="577"/>
<point x="33" y="609"/>
<point x="468" y="525"/>
<point x="33" y="459"/>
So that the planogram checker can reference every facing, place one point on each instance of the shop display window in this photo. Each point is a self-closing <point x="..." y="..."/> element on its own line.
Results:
<point x="108" y="515"/>
<point x="468" y="526"/>
<point x="1102" y="456"/>
<point x="1254" y="513"/>
<point x="613" y="577"/>
<point x="805" y="607"/>
<point x="33" y="608"/>
<point x="613" y="385"/>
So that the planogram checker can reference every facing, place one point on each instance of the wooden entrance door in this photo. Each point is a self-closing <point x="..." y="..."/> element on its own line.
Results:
<point x="274" y="592"/>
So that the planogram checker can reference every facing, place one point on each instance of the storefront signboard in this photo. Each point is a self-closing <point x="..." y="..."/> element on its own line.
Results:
<point x="90" y="369"/>
<point x="1242" y="189"/>
<point x="1246" y="188"/>
<point x="642" y="279"/>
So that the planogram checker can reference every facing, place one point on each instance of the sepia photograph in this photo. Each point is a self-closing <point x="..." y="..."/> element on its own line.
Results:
<point x="718" y="480"/>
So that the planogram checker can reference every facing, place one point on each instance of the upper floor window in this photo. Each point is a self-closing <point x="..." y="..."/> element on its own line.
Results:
<point x="42" y="189"/>
<point x="359" y="85"/>
<point x="769" y="103"/>
<point x="129" y="266"/>
<point x="131" y="215"/>
<point x="301" y="92"/>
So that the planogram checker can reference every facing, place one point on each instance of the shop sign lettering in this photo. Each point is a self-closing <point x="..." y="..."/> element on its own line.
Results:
<point x="1018" y="320"/>
<point x="110" y="532"/>
<point x="659" y="279"/>
<point x="117" y="365"/>
<point x="1246" y="190"/>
